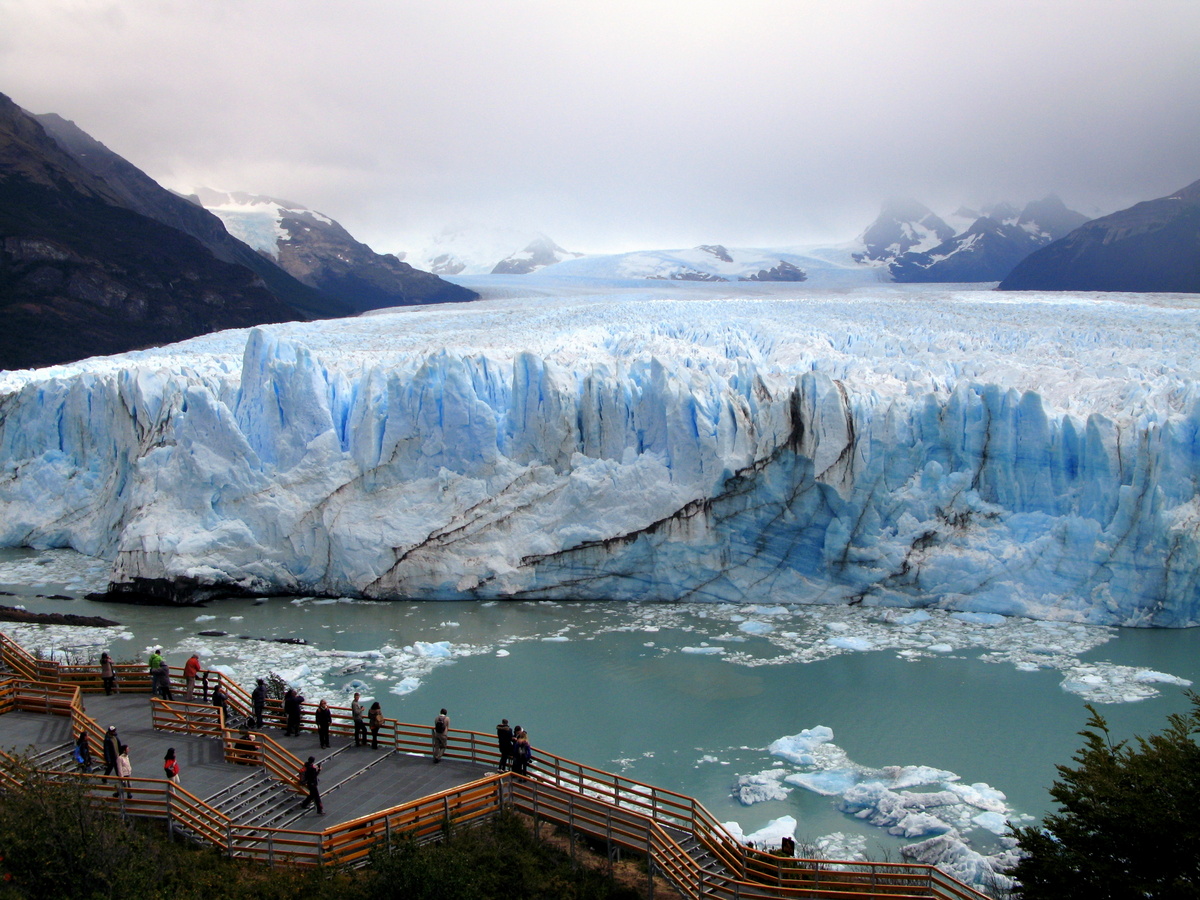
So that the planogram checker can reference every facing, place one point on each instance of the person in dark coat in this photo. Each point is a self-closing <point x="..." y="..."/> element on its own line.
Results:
<point x="309" y="777"/>
<point x="259" y="698"/>
<point x="292" y="708"/>
<point x="112" y="749"/>
<point x="375" y="720"/>
<point x="221" y="702"/>
<point x="83" y="753"/>
<point x="164" y="681"/>
<point x="504" y="737"/>
<point x="323" y="717"/>
<point x="522" y="752"/>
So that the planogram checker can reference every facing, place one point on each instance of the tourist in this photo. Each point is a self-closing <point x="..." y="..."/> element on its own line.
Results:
<point x="124" y="771"/>
<point x="292" y="710"/>
<point x="155" y="664"/>
<point x="164" y="681"/>
<point x="504" y="737"/>
<point x="441" y="725"/>
<point x="108" y="674"/>
<point x="191" y="668"/>
<point x="171" y="766"/>
<point x="522" y="752"/>
<point x="323" y="717"/>
<point x="83" y="753"/>
<point x="308" y="777"/>
<point x="259" y="698"/>
<point x="375" y="720"/>
<point x="360" y="721"/>
<point x="112" y="749"/>
<point x="221" y="702"/>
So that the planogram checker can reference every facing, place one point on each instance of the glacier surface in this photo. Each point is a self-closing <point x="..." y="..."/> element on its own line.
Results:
<point x="976" y="451"/>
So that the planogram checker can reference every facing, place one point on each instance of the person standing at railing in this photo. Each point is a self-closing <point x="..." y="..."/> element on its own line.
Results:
<point x="164" y="681"/>
<point x="504" y="737"/>
<point x="441" y="737"/>
<point x="292" y="709"/>
<point x="112" y="749"/>
<point x="124" y="772"/>
<point x="221" y="702"/>
<point x="107" y="673"/>
<point x="360" y="721"/>
<point x="309" y="776"/>
<point x="375" y="718"/>
<point x="259" y="698"/>
<point x="323" y="717"/>
<point x="171" y="766"/>
<point x="191" y="669"/>
<point x="155" y="663"/>
<point x="522" y="751"/>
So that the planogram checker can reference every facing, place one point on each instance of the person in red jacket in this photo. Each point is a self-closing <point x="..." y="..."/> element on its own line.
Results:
<point x="190" y="669"/>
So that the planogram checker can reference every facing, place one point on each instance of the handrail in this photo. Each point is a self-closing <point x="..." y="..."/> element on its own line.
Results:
<point x="17" y="657"/>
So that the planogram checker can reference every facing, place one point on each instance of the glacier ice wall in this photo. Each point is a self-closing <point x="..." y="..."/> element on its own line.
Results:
<point x="1027" y="456"/>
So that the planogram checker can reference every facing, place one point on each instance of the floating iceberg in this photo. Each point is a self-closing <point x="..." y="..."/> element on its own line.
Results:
<point x="981" y="452"/>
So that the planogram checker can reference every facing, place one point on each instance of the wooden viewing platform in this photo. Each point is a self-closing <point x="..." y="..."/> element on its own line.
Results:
<point x="239" y="790"/>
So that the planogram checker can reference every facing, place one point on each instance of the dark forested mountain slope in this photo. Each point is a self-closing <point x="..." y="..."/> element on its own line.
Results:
<point x="1152" y="246"/>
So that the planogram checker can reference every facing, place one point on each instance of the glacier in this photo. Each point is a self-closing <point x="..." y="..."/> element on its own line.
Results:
<point x="992" y="453"/>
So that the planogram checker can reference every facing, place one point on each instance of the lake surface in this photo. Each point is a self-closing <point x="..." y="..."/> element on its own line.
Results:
<point x="688" y="697"/>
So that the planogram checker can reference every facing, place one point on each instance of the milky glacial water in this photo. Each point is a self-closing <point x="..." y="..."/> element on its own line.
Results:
<point x="688" y="697"/>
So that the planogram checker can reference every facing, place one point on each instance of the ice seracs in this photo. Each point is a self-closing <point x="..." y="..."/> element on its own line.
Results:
<point x="977" y="452"/>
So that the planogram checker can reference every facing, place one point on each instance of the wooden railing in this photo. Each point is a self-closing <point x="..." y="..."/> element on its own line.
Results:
<point x="606" y="806"/>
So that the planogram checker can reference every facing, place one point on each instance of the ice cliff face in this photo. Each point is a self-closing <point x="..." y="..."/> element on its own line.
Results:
<point x="975" y="452"/>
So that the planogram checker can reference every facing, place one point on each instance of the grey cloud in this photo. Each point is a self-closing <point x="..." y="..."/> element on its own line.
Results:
<point x="627" y="124"/>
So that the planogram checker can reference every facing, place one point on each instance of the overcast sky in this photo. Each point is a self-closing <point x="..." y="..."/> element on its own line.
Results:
<point x="625" y="124"/>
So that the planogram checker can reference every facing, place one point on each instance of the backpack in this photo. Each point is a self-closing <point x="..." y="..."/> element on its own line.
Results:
<point x="440" y="725"/>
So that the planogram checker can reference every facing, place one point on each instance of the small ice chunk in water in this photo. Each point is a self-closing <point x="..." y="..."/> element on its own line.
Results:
<point x="755" y="627"/>
<point x="756" y="788"/>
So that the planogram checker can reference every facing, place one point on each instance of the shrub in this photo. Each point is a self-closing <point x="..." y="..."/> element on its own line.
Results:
<point x="1126" y="826"/>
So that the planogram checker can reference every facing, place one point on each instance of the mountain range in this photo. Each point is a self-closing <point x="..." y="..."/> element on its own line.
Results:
<point x="915" y="245"/>
<point x="1152" y="246"/>
<point x="97" y="258"/>
<point x="317" y="251"/>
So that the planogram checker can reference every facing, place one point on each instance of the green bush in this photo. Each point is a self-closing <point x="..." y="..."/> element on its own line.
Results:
<point x="1126" y="826"/>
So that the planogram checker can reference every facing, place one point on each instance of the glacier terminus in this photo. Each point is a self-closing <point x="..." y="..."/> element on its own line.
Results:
<point x="1034" y="455"/>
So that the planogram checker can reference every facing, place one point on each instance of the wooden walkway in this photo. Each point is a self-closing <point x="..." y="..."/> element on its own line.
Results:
<point x="394" y="779"/>
<point x="239" y="792"/>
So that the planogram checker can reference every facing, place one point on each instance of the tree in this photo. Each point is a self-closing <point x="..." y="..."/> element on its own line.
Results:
<point x="1127" y="820"/>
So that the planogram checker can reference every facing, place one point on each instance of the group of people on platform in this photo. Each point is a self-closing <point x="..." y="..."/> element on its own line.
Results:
<point x="516" y="753"/>
<point x="117" y="762"/>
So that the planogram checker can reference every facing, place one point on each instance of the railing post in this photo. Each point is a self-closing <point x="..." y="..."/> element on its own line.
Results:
<point x="170" y="817"/>
<point x="229" y="840"/>
<point x="571" y="825"/>
<point x="536" y="822"/>
<point x="270" y="849"/>
<point x="650" y="865"/>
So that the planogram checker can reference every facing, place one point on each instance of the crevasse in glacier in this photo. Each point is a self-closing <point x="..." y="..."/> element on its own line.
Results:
<point x="990" y="453"/>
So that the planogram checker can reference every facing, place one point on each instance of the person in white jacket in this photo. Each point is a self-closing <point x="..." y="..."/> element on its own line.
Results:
<point x="124" y="771"/>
